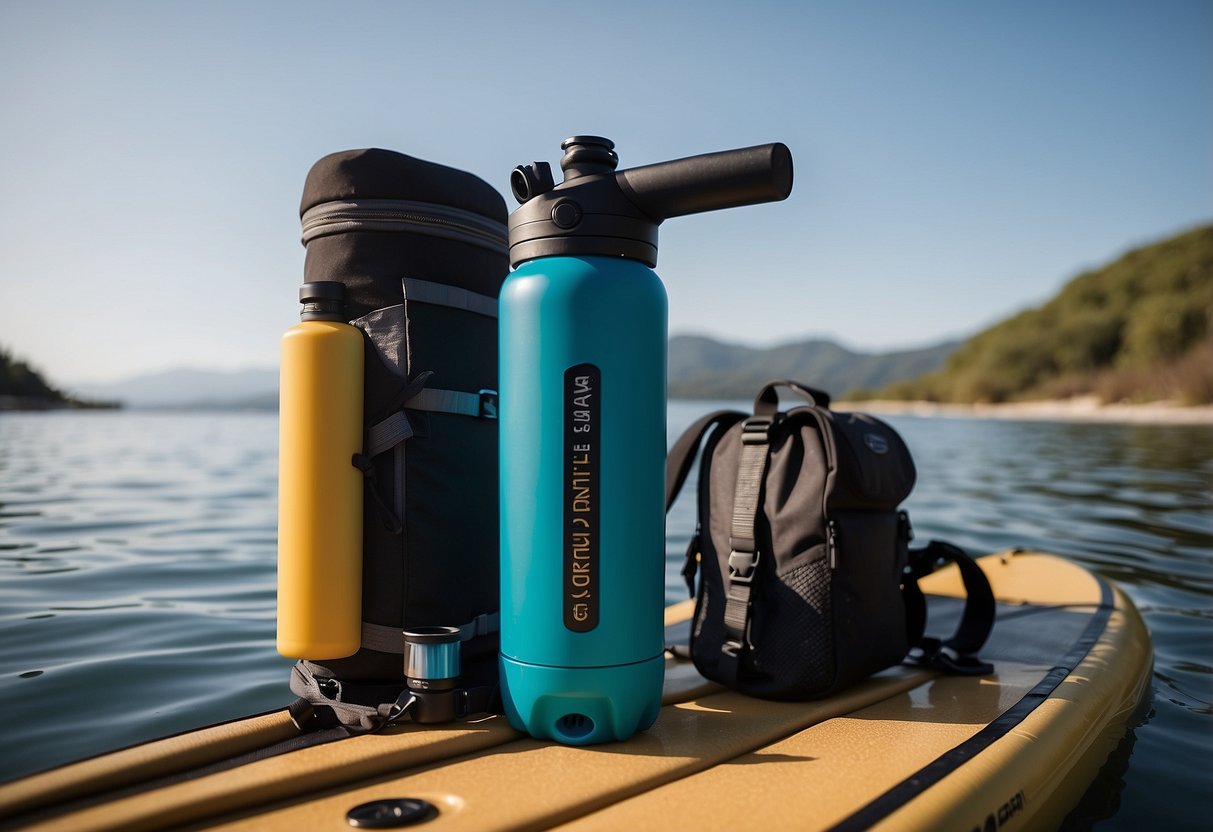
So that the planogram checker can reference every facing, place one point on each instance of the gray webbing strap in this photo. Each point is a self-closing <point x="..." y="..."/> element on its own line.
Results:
<point x="744" y="554"/>
<point x="390" y="639"/>
<point x="388" y="434"/>
<point x="306" y="685"/>
<point x="481" y="405"/>
<point x="481" y="625"/>
<point x="439" y="294"/>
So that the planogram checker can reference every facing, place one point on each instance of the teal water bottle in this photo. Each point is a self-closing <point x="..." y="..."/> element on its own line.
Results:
<point x="582" y="418"/>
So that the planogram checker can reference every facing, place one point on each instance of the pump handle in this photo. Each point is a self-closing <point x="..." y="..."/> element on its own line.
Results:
<point x="728" y="179"/>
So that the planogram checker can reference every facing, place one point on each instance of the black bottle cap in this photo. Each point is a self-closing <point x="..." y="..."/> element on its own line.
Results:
<point x="323" y="300"/>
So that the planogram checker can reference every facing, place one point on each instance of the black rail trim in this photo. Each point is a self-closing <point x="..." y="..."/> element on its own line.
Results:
<point x="949" y="761"/>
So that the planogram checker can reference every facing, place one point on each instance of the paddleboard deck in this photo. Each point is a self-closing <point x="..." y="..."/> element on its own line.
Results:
<point x="908" y="748"/>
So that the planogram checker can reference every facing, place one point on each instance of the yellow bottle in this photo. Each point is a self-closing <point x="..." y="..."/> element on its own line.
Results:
<point x="319" y="489"/>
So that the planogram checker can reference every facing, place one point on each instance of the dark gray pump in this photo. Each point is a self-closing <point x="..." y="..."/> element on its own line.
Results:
<point x="598" y="210"/>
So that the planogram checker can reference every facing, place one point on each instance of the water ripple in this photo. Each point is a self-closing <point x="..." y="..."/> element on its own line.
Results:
<point x="137" y="565"/>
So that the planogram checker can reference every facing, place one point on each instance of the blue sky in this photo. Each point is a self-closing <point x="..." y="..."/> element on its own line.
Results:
<point x="955" y="161"/>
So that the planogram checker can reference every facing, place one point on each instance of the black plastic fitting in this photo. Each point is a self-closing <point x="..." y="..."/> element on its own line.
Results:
<point x="597" y="210"/>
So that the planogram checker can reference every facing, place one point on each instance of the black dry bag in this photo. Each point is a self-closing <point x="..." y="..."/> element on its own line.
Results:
<point x="421" y="249"/>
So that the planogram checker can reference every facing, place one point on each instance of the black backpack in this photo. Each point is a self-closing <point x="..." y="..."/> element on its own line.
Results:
<point x="421" y="249"/>
<point x="807" y="581"/>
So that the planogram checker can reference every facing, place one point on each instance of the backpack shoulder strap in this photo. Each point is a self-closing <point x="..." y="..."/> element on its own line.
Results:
<point x="682" y="455"/>
<point x="678" y="465"/>
<point x="958" y="654"/>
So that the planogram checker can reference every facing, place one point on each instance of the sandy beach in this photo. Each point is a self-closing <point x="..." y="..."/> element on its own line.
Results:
<point x="1079" y="409"/>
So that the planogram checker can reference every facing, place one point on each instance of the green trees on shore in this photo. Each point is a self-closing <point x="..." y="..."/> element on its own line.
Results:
<point x="23" y="388"/>
<point x="1138" y="329"/>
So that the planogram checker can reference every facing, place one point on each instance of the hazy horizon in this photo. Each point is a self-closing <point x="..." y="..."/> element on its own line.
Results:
<point x="955" y="163"/>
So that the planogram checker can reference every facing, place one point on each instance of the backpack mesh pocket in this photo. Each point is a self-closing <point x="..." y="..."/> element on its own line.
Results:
<point x="792" y="635"/>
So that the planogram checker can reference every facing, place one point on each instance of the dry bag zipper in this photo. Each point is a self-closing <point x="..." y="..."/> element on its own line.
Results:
<point x="343" y="216"/>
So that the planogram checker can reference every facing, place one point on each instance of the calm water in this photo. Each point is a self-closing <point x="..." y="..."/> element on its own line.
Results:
<point x="137" y="572"/>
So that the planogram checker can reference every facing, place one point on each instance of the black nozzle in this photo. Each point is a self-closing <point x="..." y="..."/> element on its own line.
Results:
<point x="729" y="179"/>
<point x="597" y="210"/>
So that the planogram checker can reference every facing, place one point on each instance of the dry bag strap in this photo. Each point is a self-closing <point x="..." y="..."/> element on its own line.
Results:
<point x="392" y="431"/>
<point x="415" y="395"/>
<point x="958" y="654"/>
<point x="482" y="404"/>
<point x="336" y="703"/>
<point x="391" y="640"/>
<point x="362" y="708"/>
<point x="389" y="433"/>
<point x="743" y="546"/>
<point x="383" y="436"/>
<point x="440" y="294"/>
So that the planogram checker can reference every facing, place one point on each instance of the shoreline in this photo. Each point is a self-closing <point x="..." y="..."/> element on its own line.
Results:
<point x="1078" y="409"/>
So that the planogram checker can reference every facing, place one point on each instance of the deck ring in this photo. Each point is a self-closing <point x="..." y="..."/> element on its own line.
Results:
<point x="391" y="813"/>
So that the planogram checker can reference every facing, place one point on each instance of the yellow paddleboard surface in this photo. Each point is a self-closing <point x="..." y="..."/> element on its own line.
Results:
<point x="907" y="749"/>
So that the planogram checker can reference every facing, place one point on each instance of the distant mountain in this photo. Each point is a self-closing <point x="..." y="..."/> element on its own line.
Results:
<point x="1139" y="328"/>
<point x="700" y="368"/>
<point x="255" y="388"/>
<point x="703" y="368"/>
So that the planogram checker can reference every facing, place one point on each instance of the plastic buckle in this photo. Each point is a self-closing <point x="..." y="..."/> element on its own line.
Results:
<point x="742" y="565"/>
<point x="756" y="430"/>
<point x="919" y="565"/>
<point x="925" y="651"/>
<point x="488" y="404"/>
<point x="400" y="708"/>
<point x="933" y="653"/>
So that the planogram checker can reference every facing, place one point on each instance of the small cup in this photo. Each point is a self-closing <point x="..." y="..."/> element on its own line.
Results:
<point x="431" y="658"/>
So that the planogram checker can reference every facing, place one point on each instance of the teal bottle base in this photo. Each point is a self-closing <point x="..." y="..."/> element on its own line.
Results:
<point x="582" y="705"/>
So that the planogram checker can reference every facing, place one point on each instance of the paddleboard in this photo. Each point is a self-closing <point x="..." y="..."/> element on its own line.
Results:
<point x="907" y="749"/>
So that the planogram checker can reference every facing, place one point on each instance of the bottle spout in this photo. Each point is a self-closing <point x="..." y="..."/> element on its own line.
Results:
<point x="587" y="156"/>
<point x="710" y="182"/>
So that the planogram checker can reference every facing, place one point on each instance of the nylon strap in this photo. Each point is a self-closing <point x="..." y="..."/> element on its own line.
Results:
<point x="364" y="463"/>
<point x="388" y="434"/>
<point x="678" y="464"/>
<point x="482" y="405"/>
<point x="743" y="549"/>
<point x="307" y="686"/>
<point x="440" y="294"/>
<point x="324" y="703"/>
<point x="391" y="640"/>
<point x="682" y="456"/>
<point x="957" y="654"/>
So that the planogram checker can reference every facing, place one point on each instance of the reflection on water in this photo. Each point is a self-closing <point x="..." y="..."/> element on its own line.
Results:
<point x="136" y="578"/>
<point x="137" y="571"/>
